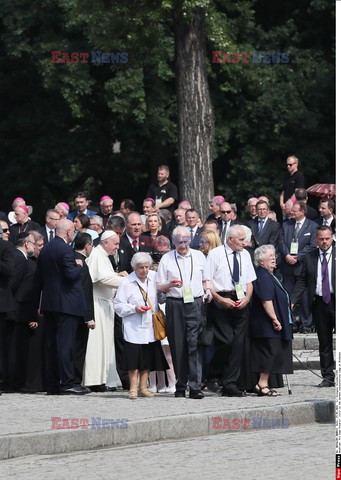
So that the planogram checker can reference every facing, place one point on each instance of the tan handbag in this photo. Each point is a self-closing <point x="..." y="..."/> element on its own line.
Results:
<point x="159" y="324"/>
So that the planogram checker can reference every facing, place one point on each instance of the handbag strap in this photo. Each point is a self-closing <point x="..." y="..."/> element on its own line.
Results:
<point x="145" y="297"/>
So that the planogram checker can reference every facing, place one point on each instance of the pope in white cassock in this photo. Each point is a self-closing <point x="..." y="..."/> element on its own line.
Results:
<point x="100" y="352"/>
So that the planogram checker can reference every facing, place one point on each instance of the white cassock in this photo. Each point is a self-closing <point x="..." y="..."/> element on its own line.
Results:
<point x="100" y="351"/>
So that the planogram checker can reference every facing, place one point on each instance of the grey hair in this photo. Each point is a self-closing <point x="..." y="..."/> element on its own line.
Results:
<point x="262" y="252"/>
<point x="247" y="232"/>
<point x="234" y="230"/>
<point x="98" y="220"/>
<point x="141" y="257"/>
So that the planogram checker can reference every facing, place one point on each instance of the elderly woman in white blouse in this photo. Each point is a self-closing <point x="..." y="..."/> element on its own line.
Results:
<point x="135" y="300"/>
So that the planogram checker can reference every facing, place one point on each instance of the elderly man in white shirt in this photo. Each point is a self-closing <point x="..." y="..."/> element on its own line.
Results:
<point x="230" y="271"/>
<point x="181" y="277"/>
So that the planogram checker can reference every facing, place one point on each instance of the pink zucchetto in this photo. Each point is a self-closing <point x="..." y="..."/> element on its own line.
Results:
<point x="23" y="207"/>
<point x="65" y="205"/>
<point x="18" y="199"/>
<point x="218" y="199"/>
<point x="105" y="197"/>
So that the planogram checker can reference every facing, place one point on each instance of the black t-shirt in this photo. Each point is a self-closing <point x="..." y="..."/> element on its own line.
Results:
<point x="291" y="183"/>
<point x="168" y="190"/>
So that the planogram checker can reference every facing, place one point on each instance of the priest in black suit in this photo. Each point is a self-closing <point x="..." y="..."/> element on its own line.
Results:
<point x="318" y="276"/>
<point x="24" y="224"/>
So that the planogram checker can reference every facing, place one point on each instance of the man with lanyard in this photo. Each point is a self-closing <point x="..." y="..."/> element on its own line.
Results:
<point x="230" y="270"/>
<point x="181" y="277"/>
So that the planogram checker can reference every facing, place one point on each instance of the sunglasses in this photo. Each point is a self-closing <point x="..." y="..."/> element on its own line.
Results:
<point x="225" y="211"/>
<point x="5" y="230"/>
<point x="290" y="164"/>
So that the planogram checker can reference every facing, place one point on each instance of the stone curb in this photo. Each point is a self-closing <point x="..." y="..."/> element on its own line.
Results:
<point x="160" y="429"/>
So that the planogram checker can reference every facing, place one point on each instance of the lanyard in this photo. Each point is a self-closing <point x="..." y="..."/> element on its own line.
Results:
<point x="144" y="293"/>
<point x="176" y="260"/>
<point x="325" y="256"/>
<point x="228" y="263"/>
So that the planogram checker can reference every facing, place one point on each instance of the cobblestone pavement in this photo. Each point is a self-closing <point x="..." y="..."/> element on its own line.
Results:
<point x="302" y="452"/>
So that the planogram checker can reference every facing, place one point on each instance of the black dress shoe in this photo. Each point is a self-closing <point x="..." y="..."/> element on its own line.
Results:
<point x="53" y="392"/>
<point x="75" y="390"/>
<point x="196" y="394"/>
<point x="180" y="393"/>
<point x="232" y="392"/>
<point x="111" y="389"/>
<point x="213" y="386"/>
<point x="326" y="383"/>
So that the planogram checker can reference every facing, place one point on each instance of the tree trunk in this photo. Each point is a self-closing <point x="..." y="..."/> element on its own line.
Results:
<point x="195" y="114"/>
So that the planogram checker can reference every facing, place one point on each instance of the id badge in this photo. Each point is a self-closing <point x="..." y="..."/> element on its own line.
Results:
<point x="147" y="319"/>
<point x="240" y="291"/>
<point x="294" y="248"/>
<point x="158" y="201"/>
<point x="188" y="295"/>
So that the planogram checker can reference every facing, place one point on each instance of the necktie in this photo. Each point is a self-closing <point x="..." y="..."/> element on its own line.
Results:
<point x="297" y="229"/>
<point x="325" y="280"/>
<point x="50" y="235"/>
<point x="223" y="233"/>
<point x="235" y="274"/>
<point x="260" y="225"/>
<point x="191" y="230"/>
<point x="325" y="222"/>
<point x="134" y="244"/>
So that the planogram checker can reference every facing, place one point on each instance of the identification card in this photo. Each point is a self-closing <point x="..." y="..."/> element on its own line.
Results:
<point x="294" y="248"/>
<point x="147" y="319"/>
<point x="240" y="291"/>
<point x="188" y="295"/>
<point x="158" y="200"/>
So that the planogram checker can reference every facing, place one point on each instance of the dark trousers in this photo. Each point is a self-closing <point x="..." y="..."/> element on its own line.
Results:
<point x="229" y="331"/>
<point x="289" y="282"/>
<point x="119" y="347"/>
<point x="19" y="354"/>
<point x="324" y="319"/>
<point x="81" y="342"/>
<point x="60" y="332"/>
<point x="183" y="325"/>
<point x="6" y="351"/>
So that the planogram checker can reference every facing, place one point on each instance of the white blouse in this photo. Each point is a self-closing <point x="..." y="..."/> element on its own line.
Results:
<point x="137" y="327"/>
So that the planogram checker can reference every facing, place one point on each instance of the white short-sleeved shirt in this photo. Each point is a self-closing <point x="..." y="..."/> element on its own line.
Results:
<point x="219" y="272"/>
<point x="189" y="269"/>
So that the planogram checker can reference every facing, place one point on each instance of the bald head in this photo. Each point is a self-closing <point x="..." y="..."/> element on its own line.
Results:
<point x="65" y="229"/>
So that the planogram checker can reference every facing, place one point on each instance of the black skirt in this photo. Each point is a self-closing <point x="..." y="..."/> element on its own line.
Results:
<point x="146" y="356"/>
<point x="271" y="355"/>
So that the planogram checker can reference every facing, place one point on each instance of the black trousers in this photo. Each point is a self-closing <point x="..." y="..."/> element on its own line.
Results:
<point x="229" y="332"/>
<point x="81" y="342"/>
<point x="183" y="324"/>
<point x="60" y="333"/>
<point x="119" y="347"/>
<point x="6" y="351"/>
<point x="324" y="319"/>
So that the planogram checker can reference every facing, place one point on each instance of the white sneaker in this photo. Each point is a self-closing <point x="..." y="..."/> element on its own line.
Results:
<point x="162" y="390"/>
<point x="152" y="389"/>
<point x="171" y="390"/>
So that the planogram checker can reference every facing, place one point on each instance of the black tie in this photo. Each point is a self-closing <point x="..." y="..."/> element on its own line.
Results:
<point x="235" y="274"/>
<point x="51" y="236"/>
<point x="223" y="234"/>
<point x="191" y="235"/>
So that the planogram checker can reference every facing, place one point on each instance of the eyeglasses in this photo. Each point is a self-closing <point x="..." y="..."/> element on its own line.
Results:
<point x="5" y="230"/>
<point x="225" y="211"/>
<point x="29" y="241"/>
<point x="290" y="164"/>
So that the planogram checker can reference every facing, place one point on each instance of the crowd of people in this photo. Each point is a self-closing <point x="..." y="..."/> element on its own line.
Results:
<point x="78" y="294"/>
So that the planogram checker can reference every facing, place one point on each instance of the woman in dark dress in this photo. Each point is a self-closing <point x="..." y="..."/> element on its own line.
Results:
<point x="270" y="323"/>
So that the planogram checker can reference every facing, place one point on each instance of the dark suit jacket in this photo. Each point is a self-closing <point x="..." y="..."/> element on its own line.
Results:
<point x="306" y="243"/>
<point x="58" y="277"/>
<point x="22" y="285"/>
<point x="195" y="242"/>
<point x="269" y="234"/>
<point x="87" y="288"/>
<point x="126" y="253"/>
<point x="15" y="229"/>
<point x="6" y="272"/>
<point x="43" y="231"/>
<point x="71" y="215"/>
<point x="308" y="277"/>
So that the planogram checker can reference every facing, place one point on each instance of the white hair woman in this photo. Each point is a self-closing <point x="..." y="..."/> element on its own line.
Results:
<point x="135" y="301"/>
<point x="270" y="323"/>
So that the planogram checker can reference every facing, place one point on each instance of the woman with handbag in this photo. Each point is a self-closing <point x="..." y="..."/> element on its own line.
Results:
<point x="136" y="302"/>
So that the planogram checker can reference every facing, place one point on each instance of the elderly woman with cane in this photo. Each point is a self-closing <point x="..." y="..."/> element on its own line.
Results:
<point x="270" y="323"/>
<point x="135" y="302"/>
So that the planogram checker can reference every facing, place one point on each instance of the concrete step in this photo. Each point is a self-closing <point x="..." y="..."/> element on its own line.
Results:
<point x="309" y="358"/>
<point x="308" y="341"/>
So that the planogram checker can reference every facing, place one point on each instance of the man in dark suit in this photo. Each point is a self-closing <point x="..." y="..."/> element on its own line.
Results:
<point x="58" y="283"/>
<point x="297" y="238"/>
<point x="82" y="204"/>
<point x="49" y="230"/>
<point x="194" y="231"/>
<point x="131" y="241"/>
<point x="7" y="306"/>
<point x="25" y="316"/>
<point x="326" y="209"/>
<point x="83" y="248"/>
<point x="264" y="230"/>
<point x="318" y="276"/>
<point x="24" y="224"/>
